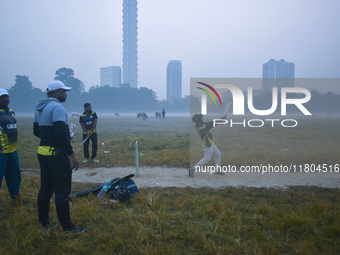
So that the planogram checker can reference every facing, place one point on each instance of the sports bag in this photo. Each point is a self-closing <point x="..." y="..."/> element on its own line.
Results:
<point x="123" y="190"/>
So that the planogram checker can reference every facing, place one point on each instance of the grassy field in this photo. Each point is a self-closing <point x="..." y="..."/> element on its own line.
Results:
<point x="299" y="220"/>
<point x="174" y="142"/>
<point x="302" y="220"/>
<point x="161" y="142"/>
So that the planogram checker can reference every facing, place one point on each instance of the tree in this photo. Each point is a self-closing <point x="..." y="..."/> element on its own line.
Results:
<point x="22" y="83"/>
<point x="23" y="95"/>
<point x="64" y="73"/>
<point x="66" y="76"/>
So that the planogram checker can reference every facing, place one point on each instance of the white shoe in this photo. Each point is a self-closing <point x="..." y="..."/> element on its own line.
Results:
<point x="85" y="160"/>
<point x="95" y="160"/>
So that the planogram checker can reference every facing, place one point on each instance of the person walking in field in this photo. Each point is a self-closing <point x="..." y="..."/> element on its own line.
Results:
<point x="9" y="160"/>
<point x="56" y="157"/>
<point x="163" y="114"/>
<point x="203" y="128"/>
<point x="88" y="123"/>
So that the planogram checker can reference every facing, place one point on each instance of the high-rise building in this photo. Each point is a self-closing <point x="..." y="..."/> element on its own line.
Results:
<point x="111" y="76"/>
<point x="130" y="42"/>
<point x="174" y="80"/>
<point x="277" y="74"/>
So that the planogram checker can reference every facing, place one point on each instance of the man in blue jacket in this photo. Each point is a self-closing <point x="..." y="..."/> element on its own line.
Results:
<point x="56" y="156"/>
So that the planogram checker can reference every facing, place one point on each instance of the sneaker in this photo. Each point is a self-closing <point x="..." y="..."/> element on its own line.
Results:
<point x="95" y="160"/>
<point x="47" y="225"/>
<point x="85" y="160"/>
<point x="73" y="229"/>
<point x="191" y="172"/>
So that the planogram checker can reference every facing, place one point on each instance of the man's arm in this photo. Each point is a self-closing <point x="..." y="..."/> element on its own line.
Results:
<point x="74" y="162"/>
<point x="209" y="125"/>
<point x="62" y="132"/>
<point x="83" y="127"/>
<point x="95" y="118"/>
<point x="93" y="126"/>
<point x="36" y="130"/>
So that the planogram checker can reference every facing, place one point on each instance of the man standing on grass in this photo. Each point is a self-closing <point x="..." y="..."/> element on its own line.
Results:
<point x="56" y="157"/>
<point x="9" y="161"/>
<point x="88" y="123"/>
<point x="203" y="128"/>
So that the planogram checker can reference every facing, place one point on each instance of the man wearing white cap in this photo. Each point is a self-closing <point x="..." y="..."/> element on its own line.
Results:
<point x="56" y="156"/>
<point x="9" y="161"/>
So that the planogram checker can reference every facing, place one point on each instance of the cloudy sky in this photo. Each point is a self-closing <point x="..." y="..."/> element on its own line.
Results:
<point x="215" y="38"/>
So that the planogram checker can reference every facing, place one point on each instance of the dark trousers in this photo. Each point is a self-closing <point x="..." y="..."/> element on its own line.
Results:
<point x="94" y="141"/>
<point x="9" y="167"/>
<point x="56" y="176"/>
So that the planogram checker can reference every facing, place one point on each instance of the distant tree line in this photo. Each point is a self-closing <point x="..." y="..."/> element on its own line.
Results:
<point x="24" y="96"/>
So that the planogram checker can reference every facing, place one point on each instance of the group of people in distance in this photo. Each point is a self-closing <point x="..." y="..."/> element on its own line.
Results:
<point x="56" y="156"/>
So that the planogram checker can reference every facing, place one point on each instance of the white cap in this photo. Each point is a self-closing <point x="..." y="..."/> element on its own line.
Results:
<point x="3" y="92"/>
<point x="54" y="85"/>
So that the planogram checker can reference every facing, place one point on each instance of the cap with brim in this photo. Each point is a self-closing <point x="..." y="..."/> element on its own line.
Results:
<point x="54" y="85"/>
<point x="3" y="92"/>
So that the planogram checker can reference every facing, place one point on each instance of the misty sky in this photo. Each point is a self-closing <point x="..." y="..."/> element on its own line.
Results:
<point x="215" y="38"/>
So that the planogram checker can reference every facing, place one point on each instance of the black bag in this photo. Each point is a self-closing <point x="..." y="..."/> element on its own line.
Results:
<point x="123" y="190"/>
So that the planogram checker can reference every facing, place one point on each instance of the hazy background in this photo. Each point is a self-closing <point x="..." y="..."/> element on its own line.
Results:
<point x="215" y="38"/>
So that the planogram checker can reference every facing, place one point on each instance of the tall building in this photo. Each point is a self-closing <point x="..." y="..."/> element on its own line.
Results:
<point x="111" y="76"/>
<point x="130" y="42"/>
<point x="174" y="80"/>
<point x="277" y="74"/>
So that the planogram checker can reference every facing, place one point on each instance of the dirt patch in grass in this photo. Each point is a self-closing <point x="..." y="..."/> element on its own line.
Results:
<point x="178" y="177"/>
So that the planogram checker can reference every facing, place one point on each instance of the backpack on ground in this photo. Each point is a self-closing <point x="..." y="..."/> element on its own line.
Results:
<point x="122" y="189"/>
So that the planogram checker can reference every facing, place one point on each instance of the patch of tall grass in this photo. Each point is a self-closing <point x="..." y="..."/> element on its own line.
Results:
<point x="300" y="220"/>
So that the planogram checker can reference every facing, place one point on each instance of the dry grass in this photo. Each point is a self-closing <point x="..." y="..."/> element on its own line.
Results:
<point x="300" y="220"/>
<point x="161" y="142"/>
<point x="174" y="142"/>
